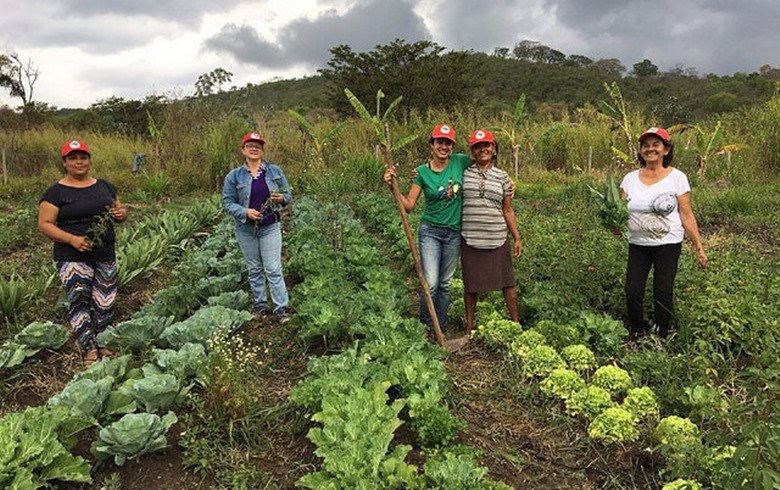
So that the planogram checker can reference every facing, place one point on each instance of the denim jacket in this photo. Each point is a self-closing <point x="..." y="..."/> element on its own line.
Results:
<point x="238" y="184"/>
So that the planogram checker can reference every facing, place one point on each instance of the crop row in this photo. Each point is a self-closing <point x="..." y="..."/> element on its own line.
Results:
<point x="165" y="347"/>
<point x="385" y="372"/>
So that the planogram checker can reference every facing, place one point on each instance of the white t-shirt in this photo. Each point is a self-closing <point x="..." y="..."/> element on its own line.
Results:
<point x="653" y="214"/>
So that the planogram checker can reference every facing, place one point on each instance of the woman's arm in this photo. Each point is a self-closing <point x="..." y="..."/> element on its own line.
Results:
<point x="409" y="201"/>
<point x="118" y="211"/>
<point x="230" y="199"/>
<point x="47" y="223"/>
<point x="511" y="223"/>
<point x="690" y="226"/>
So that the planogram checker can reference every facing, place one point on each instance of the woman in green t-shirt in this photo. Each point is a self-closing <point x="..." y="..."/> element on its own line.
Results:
<point x="440" y="179"/>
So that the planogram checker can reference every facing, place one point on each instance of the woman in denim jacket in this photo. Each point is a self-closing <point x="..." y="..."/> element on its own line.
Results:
<point x="254" y="194"/>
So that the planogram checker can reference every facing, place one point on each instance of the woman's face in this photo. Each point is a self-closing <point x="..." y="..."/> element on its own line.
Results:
<point x="483" y="152"/>
<point x="442" y="148"/>
<point x="253" y="150"/>
<point x="653" y="149"/>
<point x="76" y="164"/>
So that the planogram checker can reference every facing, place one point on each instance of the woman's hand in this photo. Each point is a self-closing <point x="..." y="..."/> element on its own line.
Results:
<point x="390" y="174"/>
<point x="518" y="249"/>
<point x="118" y="211"/>
<point x="702" y="257"/>
<point x="252" y="214"/>
<point x="277" y="197"/>
<point x="80" y="243"/>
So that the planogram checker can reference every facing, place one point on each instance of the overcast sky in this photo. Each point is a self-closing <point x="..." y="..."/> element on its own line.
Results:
<point x="88" y="50"/>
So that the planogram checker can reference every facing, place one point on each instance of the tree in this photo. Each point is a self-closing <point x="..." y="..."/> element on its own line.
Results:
<point x="609" y="66"/>
<point x="537" y="52"/>
<point x="420" y="72"/>
<point x="644" y="68"/>
<point x="212" y="82"/>
<point x="501" y="52"/>
<point x="18" y="77"/>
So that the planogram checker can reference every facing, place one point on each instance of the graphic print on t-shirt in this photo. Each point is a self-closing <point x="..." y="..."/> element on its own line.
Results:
<point x="655" y="223"/>
<point x="448" y="192"/>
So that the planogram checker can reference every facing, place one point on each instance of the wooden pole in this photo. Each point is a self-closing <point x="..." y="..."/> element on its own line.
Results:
<point x="5" y="169"/>
<point x="388" y="157"/>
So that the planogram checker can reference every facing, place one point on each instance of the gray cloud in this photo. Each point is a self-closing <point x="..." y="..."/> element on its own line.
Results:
<point x="307" y="41"/>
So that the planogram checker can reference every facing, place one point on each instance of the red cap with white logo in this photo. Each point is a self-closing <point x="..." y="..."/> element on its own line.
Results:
<point x="254" y="136"/>
<point x="443" y="131"/>
<point x="660" y="132"/>
<point x="75" y="145"/>
<point x="481" y="135"/>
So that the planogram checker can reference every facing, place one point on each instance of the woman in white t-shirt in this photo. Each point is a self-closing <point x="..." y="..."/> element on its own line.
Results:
<point x="660" y="214"/>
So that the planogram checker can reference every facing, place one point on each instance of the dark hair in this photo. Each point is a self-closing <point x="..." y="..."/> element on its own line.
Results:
<point x="667" y="158"/>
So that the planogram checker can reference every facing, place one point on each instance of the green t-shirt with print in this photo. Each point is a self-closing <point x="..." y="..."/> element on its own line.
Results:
<point x="443" y="192"/>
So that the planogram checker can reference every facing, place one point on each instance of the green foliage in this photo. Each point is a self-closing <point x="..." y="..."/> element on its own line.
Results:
<point x="235" y="300"/>
<point x="43" y="335"/>
<point x="131" y="436"/>
<point x="498" y="331"/>
<point x="614" y="424"/>
<point x="435" y="426"/>
<point x="641" y="402"/>
<point x="613" y="210"/>
<point x="14" y="297"/>
<point x="35" y="448"/>
<point x="541" y="361"/>
<point x="13" y="354"/>
<point x="354" y="442"/>
<point x="154" y="392"/>
<point x="204" y="324"/>
<point x="603" y="333"/>
<point x="558" y="335"/>
<point x="589" y="402"/>
<point x="579" y="357"/>
<point x="562" y="383"/>
<point x="677" y="433"/>
<point x="681" y="484"/>
<point x="185" y="363"/>
<point x="84" y="397"/>
<point x="526" y="342"/>
<point x="613" y="379"/>
<point x="113" y="367"/>
<point x="136" y="335"/>
<point x="454" y="469"/>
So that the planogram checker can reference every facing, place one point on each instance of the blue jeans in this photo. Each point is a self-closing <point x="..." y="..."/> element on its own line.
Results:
<point x="439" y="254"/>
<point x="262" y="249"/>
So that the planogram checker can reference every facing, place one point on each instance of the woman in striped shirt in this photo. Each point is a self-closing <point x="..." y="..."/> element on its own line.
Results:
<point x="487" y="216"/>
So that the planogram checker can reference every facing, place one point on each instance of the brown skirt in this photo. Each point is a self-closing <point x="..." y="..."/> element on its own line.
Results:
<point x="486" y="270"/>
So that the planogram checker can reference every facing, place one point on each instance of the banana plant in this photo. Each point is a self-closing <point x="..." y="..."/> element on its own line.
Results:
<point x="706" y="144"/>
<point x="617" y="112"/>
<point x="512" y="132"/>
<point x="320" y="139"/>
<point x="379" y="122"/>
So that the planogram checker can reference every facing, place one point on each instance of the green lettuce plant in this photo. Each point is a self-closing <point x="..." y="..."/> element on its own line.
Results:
<point x="681" y="484"/>
<point x="132" y="435"/>
<point x="612" y="378"/>
<point x="589" y="402"/>
<point x="136" y="335"/>
<point x="35" y="448"/>
<point x="541" y="361"/>
<point x="498" y="331"/>
<point x="614" y="424"/>
<point x="562" y="383"/>
<point x="558" y="335"/>
<point x="641" y="402"/>
<point x="526" y="342"/>
<point x="184" y="363"/>
<point x="203" y="325"/>
<point x="579" y="357"/>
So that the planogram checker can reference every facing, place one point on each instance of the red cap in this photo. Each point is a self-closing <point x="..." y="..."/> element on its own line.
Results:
<point x="481" y="135"/>
<point x="252" y="137"/>
<point x="70" y="146"/>
<point x="660" y="132"/>
<point x="443" y="131"/>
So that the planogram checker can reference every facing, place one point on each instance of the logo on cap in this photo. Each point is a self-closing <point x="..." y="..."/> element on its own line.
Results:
<point x="445" y="129"/>
<point x="74" y="144"/>
<point x="255" y="136"/>
<point x="480" y="135"/>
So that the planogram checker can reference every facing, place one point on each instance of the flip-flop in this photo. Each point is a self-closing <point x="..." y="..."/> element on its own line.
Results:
<point x="106" y="353"/>
<point x="90" y="358"/>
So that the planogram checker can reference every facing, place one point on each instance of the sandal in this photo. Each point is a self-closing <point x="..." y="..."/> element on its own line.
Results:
<point x="106" y="353"/>
<point x="90" y="358"/>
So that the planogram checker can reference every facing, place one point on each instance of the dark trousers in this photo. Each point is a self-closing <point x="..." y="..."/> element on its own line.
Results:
<point x="663" y="259"/>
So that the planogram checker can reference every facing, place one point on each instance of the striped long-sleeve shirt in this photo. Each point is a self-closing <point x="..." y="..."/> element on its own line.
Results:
<point x="483" y="224"/>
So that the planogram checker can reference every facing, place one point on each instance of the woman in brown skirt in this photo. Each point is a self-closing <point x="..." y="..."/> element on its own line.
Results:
<point x="487" y="215"/>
